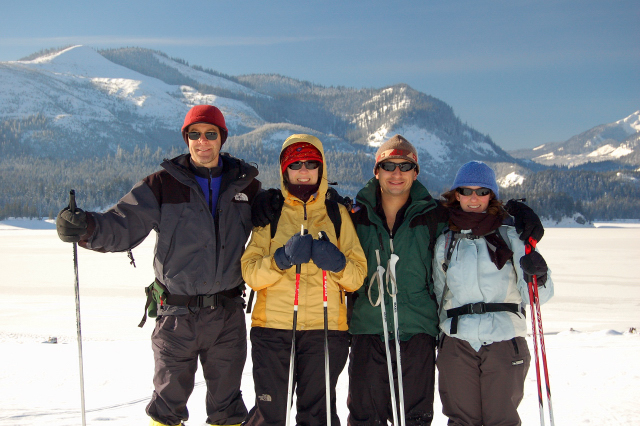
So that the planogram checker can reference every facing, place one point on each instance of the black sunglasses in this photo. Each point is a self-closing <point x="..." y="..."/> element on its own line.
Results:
<point x="310" y="165"/>
<point x="194" y="136"/>
<point x="480" y="192"/>
<point x="389" y="166"/>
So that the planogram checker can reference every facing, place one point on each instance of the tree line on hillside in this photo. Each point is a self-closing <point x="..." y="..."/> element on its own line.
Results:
<point x="596" y="195"/>
<point x="39" y="187"/>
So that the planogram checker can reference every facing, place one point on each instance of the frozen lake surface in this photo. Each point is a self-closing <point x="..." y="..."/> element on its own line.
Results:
<point x="593" y="358"/>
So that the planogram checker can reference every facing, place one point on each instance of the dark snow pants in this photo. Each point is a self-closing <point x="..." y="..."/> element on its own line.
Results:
<point x="219" y="338"/>
<point x="369" y="398"/>
<point x="271" y="352"/>
<point x="484" y="387"/>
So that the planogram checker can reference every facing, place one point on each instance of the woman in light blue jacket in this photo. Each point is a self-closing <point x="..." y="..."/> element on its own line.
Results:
<point x="482" y="291"/>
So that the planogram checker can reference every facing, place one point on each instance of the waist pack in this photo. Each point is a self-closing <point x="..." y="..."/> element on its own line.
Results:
<point x="157" y="294"/>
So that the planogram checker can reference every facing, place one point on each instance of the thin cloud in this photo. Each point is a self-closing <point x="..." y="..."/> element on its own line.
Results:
<point x="157" y="41"/>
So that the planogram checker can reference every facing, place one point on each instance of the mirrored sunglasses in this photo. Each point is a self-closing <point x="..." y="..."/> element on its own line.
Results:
<point x="194" y="136"/>
<point x="404" y="167"/>
<point x="480" y="192"/>
<point x="310" y="165"/>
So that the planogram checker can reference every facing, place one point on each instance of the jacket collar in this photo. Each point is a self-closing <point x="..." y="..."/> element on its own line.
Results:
<point x="421" y="200"/>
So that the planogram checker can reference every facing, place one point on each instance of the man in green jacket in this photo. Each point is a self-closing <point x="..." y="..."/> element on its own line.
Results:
<point x="395" y="214"/>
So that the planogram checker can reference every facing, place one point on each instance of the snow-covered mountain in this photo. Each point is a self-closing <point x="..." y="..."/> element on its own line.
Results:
<point x="84" y="103"/>
<point x="91" y="105"/>
<point x="614" y="142"/>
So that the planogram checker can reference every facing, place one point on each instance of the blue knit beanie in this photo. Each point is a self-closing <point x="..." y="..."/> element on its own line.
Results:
<point x="476" y="173"/>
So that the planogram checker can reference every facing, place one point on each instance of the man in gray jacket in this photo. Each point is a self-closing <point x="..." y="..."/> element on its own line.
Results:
<point x="200" y="207"/>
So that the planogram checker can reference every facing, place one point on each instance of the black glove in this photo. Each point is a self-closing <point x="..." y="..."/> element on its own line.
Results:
<point x="534" y="264"/>
<point x="527" y="221"/>
<point x="332" y="194"/>
<point x="295" y="252"/>
<point x="326" y="255"/>
<point x="71" y="226"/>
<point x="266" y="205"/>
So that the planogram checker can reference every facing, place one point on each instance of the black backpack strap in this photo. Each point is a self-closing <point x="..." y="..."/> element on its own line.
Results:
<point x="333" y="210"/>
<point x="274" y="222"/>
<point x="250" y="301"/>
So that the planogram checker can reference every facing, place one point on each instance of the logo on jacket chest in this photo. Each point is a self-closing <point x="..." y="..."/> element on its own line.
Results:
<point x="241" y="197"/>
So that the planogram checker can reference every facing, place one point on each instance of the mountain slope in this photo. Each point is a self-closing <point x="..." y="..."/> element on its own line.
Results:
<point x="608" y="142"/>
<point x="98" y="121"/>
<point x="92" y="105"/>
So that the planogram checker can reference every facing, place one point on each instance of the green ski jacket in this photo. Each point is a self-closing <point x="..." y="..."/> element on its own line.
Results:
<point x="413" y="242"/>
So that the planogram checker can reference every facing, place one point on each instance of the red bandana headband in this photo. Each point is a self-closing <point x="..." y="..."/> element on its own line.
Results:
<point x="299" y="151"/>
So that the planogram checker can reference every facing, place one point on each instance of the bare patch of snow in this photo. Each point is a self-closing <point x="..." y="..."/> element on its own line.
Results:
<point x="512" y="179"/>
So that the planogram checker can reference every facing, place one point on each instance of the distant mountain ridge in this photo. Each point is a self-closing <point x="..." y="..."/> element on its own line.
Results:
<point x="98" y="121"/>
<point x="92" y="102"/>
<point x="616" y="142"/>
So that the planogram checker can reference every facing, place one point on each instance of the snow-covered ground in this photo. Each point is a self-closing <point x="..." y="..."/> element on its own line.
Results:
<point x="594" y="361"/>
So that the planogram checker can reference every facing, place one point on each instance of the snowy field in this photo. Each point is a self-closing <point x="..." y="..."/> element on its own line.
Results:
<point x="594" y="361"/>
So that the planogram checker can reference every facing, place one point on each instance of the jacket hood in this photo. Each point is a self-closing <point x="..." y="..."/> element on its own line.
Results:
<point x="322" y="189"/>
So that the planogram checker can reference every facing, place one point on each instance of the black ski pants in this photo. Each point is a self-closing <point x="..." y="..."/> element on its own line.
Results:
<point x="369" y="398"/>
<point x="219" y="338"/>
<point x="484" y="387"/>
<point x="271" y="352"/>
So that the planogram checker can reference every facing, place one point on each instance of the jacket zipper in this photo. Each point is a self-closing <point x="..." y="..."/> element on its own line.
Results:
<point x="210" y="195"/>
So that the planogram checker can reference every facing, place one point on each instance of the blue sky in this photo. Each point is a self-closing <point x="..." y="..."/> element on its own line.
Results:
<point x="524" y="72"/>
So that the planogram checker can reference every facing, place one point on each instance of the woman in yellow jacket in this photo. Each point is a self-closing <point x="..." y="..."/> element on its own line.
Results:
<point x="268" y="267"/>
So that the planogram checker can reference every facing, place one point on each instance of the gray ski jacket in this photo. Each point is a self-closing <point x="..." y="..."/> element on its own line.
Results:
<point x="195" y="254"/>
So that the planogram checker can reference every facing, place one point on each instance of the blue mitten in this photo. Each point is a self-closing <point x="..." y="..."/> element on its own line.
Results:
<point x="327" y="256"/>
<point x="295" y="252"/>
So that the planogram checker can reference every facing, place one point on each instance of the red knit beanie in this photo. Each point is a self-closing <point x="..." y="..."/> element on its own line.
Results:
<point x="205" y="114"/>
<point x="299" y="151"/>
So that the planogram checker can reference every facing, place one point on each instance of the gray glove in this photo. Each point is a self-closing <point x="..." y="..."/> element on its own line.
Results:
<point x="71" y="226"/>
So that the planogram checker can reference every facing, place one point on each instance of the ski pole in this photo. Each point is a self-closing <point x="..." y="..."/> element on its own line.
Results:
<point x="72" y="208"/>
<point x="533" y="288"/>
<point x="380" y="274"/>
<point x="535" y="350"/>
<point x="393" y="291"/>
<point x="293" y="339"/>
<point x="327" y="382"/>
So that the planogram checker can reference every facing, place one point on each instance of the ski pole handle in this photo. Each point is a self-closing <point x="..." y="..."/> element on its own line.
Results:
<point x="298" y="266"/>
<point x="72" y="201"/>
<point x="530" y="245"/>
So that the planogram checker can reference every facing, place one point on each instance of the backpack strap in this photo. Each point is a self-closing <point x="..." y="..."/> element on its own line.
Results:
<point x="333" y="210"/>
<point x="274" y="222"/>
<point x="448" y="249"/>
<point x="451" y="241"/>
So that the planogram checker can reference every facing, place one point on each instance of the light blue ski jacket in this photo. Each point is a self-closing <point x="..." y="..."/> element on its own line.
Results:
<point x="471" y="278"/>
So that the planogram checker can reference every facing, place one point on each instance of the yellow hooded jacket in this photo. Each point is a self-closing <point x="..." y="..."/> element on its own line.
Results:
<point x="275" y="288"/>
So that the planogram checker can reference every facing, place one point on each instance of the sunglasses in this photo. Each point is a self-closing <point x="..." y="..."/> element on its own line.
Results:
<point x="194" y="136"/>
<point x="389" y="166"/>
<point x="309" y="165"/>
<point x="480" y="192"/>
